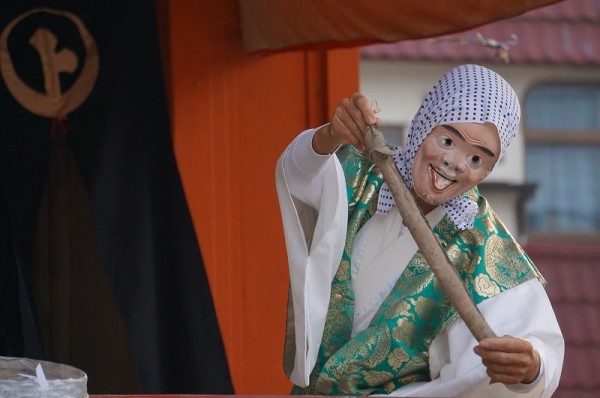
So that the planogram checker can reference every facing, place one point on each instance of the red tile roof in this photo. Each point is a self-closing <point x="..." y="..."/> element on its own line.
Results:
<point x="565" y="33"/>
<point x="573" y="275"/>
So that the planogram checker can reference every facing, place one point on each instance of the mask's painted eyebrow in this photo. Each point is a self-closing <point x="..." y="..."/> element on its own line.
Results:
<point x="458" y="134"/>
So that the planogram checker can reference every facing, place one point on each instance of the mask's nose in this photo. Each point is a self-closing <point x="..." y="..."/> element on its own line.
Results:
<point x="452" y="167"/>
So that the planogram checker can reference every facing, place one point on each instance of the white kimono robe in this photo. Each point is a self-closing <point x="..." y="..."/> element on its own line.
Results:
<point x="312" y="196"/>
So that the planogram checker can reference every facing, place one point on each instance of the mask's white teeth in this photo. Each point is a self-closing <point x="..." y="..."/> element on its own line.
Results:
<point x="440" y="182"/>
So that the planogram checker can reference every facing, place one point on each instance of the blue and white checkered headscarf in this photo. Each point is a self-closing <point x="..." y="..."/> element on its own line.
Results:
<point x="467" y="93"/>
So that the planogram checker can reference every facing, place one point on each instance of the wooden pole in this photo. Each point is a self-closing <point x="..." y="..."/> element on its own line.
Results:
<point x="379" y="152"/>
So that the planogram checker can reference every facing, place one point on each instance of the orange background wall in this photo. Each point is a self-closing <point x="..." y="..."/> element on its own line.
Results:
<point x="232" y="116"/>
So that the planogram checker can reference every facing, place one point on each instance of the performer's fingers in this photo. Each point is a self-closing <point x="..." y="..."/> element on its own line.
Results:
<point x="365" y="112"/>
<point x="504" y="358"/>
<point x="354" y="112"/>
<point x="350" y="122"/>
<point x="503" y="378"/>
<point x="506" y="344"/>
<point x="522" y="364"/>
<point x="513" y="368"/>
<point x="507" y="374"/>
<point x="345" y="128"/>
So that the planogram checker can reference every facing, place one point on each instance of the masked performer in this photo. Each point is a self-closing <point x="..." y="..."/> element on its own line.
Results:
<point x="366" y="315"/>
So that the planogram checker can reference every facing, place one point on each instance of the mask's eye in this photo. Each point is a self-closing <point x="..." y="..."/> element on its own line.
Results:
<point x="475" y="161"/>
<point x="445" y="141"/>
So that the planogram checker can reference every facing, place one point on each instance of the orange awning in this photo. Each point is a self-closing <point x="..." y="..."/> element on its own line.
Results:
<point x="279" y="25"/>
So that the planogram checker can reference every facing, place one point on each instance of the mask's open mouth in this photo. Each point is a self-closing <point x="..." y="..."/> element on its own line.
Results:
<point x="439" y="180"/>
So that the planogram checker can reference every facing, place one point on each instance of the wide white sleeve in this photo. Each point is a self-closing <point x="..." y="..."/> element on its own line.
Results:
<point x="304" y="169"/>
<point x="523" y="311"/>
<point x="314" y="236"/>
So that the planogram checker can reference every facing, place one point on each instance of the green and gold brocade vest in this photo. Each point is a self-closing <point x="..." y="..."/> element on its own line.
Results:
<point x="393" y="350"/>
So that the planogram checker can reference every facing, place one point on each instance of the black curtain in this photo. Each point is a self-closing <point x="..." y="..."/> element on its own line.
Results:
<point x="99" y="262"/>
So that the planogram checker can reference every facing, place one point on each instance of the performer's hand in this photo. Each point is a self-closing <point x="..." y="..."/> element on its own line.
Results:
<point x="509" y="360"/>
<point x="348" y="124"/>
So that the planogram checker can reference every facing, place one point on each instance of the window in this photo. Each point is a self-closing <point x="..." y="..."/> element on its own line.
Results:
<point x="562" y="130"/>
<point x="394" y="134"/>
